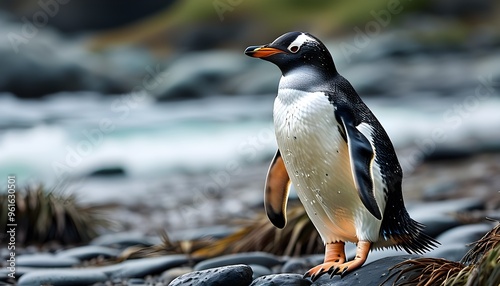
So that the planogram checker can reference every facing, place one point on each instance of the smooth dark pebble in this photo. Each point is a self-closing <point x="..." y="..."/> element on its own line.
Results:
<point x="464" y="234"/>
<point x="62" y="277"/>
<point x="124" y="240"/>
<point x="449" y="251"/>
<point x="45" y="260"/>
<point x="234" y="275"/>
<point x="88" y="252"/>
<point x="139" y="268"/>
<point x="259" y="270"/>
<point x="369" y="274"/>
<point x="286" y="279"/>
<point x="260" y="258"/>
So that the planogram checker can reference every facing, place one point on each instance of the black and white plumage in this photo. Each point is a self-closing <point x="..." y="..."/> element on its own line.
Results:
<point x="338" y="156"/>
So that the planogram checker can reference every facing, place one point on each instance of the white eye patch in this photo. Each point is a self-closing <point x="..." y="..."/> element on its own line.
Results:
<point x="299" y="41"/>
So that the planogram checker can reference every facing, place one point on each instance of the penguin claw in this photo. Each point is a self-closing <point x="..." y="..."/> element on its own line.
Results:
<point x="315" y="272"/>
<point x="334" y="271"/>
<point x="344" y="272"/>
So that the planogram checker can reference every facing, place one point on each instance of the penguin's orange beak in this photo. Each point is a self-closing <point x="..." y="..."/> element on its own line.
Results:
<point x="261" y="51"/>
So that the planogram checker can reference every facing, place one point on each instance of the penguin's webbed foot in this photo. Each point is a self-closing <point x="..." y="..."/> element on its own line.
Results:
<point x="334" y="263"/>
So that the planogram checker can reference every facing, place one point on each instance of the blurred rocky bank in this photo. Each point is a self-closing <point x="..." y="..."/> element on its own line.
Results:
<point x="184" y="49"/>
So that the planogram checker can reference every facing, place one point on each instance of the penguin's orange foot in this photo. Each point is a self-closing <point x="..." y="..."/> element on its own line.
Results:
<point x="335" y="260"/>
<point x="331" y="268"/>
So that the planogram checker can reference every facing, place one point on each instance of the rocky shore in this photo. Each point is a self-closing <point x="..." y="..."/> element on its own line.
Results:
<point x="453" y="213"/>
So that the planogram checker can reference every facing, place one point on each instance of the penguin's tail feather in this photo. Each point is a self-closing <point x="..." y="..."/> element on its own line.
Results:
<point x="401" y="232"/>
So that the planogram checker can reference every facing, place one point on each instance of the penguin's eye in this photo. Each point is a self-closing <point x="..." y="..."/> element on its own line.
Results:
<point x="293" y="49"/>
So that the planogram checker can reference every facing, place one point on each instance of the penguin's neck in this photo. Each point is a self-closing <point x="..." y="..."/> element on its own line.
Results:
<point x="307" y="79"/>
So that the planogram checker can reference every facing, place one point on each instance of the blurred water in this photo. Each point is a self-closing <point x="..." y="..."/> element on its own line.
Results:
<point x="76" y="134"/>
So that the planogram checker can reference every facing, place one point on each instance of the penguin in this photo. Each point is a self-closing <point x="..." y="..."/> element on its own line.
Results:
<point x="337" y="155"/>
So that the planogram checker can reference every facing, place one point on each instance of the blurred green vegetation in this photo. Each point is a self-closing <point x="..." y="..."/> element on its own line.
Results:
<point x="260" y="20"/>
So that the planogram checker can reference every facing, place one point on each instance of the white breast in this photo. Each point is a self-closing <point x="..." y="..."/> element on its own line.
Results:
<point x="317" y="161"/>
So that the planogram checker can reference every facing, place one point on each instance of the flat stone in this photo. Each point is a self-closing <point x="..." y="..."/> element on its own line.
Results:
<point x="88" y="252"/>
<point x="281" y="280"/>
<point x="369" y="274"/>
<point x="44" y="260"/>
<point x="259" y="258"/>
<point x="139" y="268"/>
<point x="234" y="275"/>
<point x="62" y="277"/>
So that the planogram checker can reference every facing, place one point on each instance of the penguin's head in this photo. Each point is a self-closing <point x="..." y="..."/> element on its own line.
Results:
<point x="293" y="51"/>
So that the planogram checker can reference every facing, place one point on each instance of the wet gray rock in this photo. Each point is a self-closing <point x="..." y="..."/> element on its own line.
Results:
<point x="88" y="252"/>
<point x="46" y="261"/>
<point x="62" y="277"/>
<point x="281" y="280"/>
<point x="259" y="258"/>
<point x="139" y="268"/>
<point x="369" y="274"/>
<point x="235" y="275"/>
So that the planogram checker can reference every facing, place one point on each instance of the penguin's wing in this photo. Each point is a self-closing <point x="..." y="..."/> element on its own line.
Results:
<point x="276" y="191"/>
<point x="361" y="155"/>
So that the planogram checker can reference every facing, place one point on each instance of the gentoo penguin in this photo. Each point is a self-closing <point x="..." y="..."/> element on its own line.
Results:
<point x="337" y="155"/>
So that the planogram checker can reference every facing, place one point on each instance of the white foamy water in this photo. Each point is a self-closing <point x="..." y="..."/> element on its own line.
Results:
<point x="76" y="134"/>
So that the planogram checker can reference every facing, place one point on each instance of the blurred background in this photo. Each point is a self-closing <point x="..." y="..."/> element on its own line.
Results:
<point x="151" y="107"/>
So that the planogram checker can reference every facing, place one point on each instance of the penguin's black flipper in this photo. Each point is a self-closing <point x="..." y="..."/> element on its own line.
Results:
<point x="361" y="155"/>
<point x="276" y="191"/>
